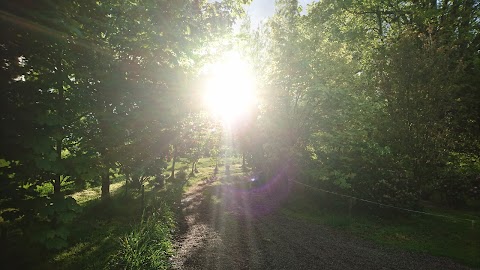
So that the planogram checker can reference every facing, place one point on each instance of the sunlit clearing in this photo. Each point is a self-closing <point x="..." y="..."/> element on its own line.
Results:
<point x="230" y="89"/>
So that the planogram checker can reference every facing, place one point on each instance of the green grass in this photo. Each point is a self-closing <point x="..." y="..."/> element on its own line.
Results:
<point x="70" y="187"/>
<point x="147" y="246"/>
<point x="433" y="235"/>
<point x="101" y="230"/>
<point x="205" y="167"/>
<point x="92" y="194"/>
<point x="105" y="229"/>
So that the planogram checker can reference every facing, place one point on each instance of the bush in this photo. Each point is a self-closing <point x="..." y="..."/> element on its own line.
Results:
<point x="459" y="181"/>
<point x="182" y="175"/>
<point x="159" y="181"/>
<point x="148" y="246"/>
<point x="50" y="226"/>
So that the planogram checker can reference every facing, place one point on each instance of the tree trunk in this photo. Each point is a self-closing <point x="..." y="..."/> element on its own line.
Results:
<point x="136" y="181"/>
<point x="193" y="169"/>
<point x="58" y="181"/>
<point x="243" y="159"/>
<point x="143" y="198"/>
<point x="126" y="184"/>
<point x="57" y="184"/>
<point x="172" y="176"/>
<point x="106" y="185"/>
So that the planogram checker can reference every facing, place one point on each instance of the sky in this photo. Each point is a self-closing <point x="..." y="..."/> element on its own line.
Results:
<point x="261" y="9"/>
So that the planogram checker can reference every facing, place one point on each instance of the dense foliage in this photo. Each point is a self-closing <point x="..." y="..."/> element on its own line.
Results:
<point x="92" y="88"/>
<point x="378" y="98"/>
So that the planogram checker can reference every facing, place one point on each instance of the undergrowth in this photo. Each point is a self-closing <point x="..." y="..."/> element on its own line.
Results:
<point x="148" y="245"/>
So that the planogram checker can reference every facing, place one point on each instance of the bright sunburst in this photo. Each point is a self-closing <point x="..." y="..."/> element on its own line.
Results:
<point x="230" y="89"/>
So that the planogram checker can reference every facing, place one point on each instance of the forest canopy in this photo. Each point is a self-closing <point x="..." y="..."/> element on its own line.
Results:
<point x="376" y="99"/>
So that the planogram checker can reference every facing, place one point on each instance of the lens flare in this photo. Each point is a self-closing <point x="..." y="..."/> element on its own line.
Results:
<point x="230" y="89"/>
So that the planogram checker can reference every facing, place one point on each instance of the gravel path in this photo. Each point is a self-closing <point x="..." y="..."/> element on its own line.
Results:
<point x="223" y="227"/>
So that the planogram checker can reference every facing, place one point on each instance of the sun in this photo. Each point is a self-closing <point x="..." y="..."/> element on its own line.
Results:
<point x="230" y="88"/>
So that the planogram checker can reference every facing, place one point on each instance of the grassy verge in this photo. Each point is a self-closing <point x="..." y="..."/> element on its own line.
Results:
<point x="116" y="233"/>
<point x="119" y="234"/>
<point x="437" y="236"/>
<point x="148" y="245"/>
<point x="206" y="167"/>
<point x="71" y="187"/>
<point x="104" y="232"/>
<point x="91" y="194"/>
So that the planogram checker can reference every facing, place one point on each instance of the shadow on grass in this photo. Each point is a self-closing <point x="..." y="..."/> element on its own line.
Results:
<point x="94" y="235"/>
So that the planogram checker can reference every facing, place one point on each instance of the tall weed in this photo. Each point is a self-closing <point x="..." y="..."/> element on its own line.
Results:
<point x="147" y="246"/>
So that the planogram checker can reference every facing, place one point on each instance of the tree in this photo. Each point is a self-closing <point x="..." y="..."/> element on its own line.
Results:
<point x="365" y="96"/>
<point x="84" y="83"/>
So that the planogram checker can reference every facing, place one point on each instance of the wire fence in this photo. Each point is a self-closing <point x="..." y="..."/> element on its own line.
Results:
<point x="472" y="221"/>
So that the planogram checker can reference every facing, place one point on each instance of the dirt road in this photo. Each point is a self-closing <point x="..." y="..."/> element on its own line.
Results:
<point x="224" y="227"/>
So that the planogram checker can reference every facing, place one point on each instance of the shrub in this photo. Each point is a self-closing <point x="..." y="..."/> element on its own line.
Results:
<point x="182" y="175"/>
<point x="50" y="226"/>
<point x="159" y="181"/>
